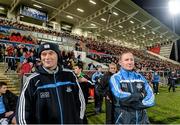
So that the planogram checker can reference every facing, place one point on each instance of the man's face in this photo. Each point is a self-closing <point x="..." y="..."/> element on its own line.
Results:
<point x="77" y="70"/>
<point x="99" y="69"/>
<point x="127" y="61"/>
<point x="49" y="59"/>
<point x="3" y="89"/>
<point x="112" y="69"/>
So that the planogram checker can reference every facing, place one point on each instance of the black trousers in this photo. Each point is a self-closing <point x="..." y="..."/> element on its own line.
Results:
<point x="172" y="85"/>
<point x="156" y="87"/>
<point x="98" y="100"/>
<point x="109" y="112"/>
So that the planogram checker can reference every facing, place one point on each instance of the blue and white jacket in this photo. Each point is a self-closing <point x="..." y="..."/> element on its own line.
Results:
<point x="132" y="95"/>
<point x="156" y="78"/>
<point x="97" y="75"/>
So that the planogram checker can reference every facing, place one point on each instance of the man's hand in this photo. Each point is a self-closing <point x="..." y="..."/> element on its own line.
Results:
<point x="14" y="122"/>
<point x="7" y="114"/>
<point x="107" y="97"/>
<point x="143" y="95"/>
<point x="82" y="80"/>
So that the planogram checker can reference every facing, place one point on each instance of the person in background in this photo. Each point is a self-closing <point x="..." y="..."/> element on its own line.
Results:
<point x="98" y="98"/>
<point x="51" y="95"/>
<point x="132" y="93"/>
<point x="104" y="90"/>
<point x="91" y="66"/>
<point x="155" y="82"/>
<point x="172" y="81"/>
<point x="85" y="83"/>
<point x="26" y="67"/>
<point x="8" y="102"/>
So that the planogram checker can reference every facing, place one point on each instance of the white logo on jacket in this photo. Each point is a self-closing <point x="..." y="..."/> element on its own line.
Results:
<point x="68" y="89"/>
<point x="44" y="95"/>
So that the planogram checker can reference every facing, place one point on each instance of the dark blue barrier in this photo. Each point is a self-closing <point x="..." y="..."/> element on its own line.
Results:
<point x="16" y="43"/>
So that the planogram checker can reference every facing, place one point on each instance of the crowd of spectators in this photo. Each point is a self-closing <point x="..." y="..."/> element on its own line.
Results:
<point x="18" y="37"/>
<point x="145" y="61"/>
<point x="23" y="59"/>
<point x="21" y="26"/>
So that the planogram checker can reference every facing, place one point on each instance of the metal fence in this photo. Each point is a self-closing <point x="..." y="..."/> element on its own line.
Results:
<point x="146" y="74"/>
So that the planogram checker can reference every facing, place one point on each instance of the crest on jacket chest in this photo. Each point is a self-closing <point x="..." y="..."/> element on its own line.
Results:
<point x="68" y="89"/>
<point x="139" y="85"/>
<point x="44" y="95"/>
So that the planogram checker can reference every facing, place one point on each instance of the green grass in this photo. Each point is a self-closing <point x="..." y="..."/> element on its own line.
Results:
<point x="166" y="110"/>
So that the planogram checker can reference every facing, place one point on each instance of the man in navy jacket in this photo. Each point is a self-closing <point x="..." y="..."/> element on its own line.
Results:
<point x="51" y="95"/>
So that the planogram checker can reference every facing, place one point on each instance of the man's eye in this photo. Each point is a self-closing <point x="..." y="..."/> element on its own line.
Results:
<point x="50" y="53"/>
<point x="43" y="54"/>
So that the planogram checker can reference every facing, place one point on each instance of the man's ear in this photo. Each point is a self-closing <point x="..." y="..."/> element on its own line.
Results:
<point x="119" y="62"/>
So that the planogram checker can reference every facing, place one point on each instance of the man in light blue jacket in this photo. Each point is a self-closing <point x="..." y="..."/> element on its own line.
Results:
<point x="132" y="93"/>
<point x="155" y="82"/>
<point x="98" y="98"/>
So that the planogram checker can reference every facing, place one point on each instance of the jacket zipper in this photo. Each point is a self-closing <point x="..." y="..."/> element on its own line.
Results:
<point x="130" y="84"/>
<point x="118" y="118"/>
<point x="132" y="91"/>
<point x="136" y="117"/>
<point x="59" y="101"/>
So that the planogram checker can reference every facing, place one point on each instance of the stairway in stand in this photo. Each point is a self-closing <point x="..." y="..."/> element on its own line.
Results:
<point x="166" y="50"/>
<point x="11" y="78"/>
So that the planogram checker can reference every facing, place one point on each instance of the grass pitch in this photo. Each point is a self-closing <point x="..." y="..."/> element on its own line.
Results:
<point x="166" y="110"/>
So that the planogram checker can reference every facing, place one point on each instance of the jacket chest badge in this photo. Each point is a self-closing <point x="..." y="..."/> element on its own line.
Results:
<point x="68" y="89"/>
<point x="44" y="95"/>
<point x="124" y="85"/>
<point x="139" y="86"/>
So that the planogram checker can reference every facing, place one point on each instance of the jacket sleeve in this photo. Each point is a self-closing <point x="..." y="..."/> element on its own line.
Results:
<point x="93" y="77"/>
<point x="158" y="78"/>
<point x="125" y="98"/>
<point x="24" y="110"/>
<point x="149" y="99"/>
<point x="103" y="87"/>
<point x="90" y="83"/>
<point x="12" y="100"/>
<point x="80" y="99"/>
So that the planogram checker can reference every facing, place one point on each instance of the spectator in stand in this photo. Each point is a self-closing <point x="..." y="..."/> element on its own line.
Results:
<point x="51" y="89"/>
<point x="28" y="54"/>
<point x="146" y="60"/>
<point x="32" y="58"/>
<point x="155" y="82"/>
<point x="78" y="46"/>
<point x="104" y="90"/>
<point x="91" y="66"/>
<point x="8" y="102"/>
<point x="26" y="67"/>
<point x="132" y="93"/>
<point x="98" y="98"/>
<point x="10" y="58"/>
<point x="1" y="54"/>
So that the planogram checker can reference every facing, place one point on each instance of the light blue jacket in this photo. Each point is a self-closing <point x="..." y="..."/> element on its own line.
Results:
<point x="156" y="78"/>
<point x="132" y="95"/>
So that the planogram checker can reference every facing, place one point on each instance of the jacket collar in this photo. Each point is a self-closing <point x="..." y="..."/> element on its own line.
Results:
<point x="126" y="73"/>
<point x="43" y="70"/>
<point x="54" y="71"/>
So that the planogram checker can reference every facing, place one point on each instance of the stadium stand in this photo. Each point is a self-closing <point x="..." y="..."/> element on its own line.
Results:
<point x="90" y="38"/>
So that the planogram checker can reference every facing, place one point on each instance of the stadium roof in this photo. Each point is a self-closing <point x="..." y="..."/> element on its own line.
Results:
<point x="112" y="19"/>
